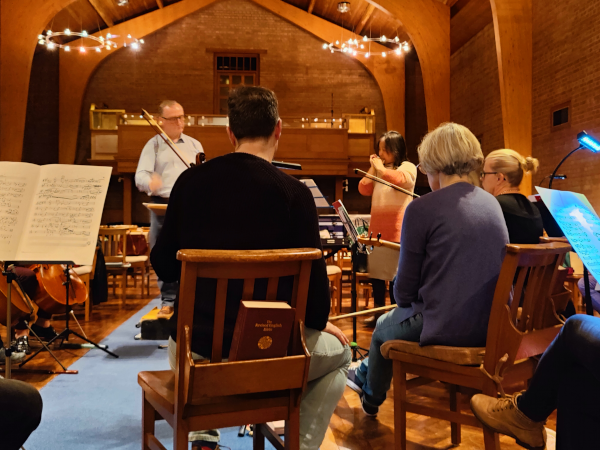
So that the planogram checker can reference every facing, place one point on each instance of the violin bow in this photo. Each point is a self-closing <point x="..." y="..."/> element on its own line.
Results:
<point x="393" y="186"/>
<point x="164" y="136"/>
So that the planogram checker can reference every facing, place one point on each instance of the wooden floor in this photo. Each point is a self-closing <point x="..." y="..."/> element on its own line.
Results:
<point x="349" y="427"/>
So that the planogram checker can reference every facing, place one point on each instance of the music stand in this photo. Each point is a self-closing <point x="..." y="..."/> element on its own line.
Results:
<point x="581" y="225"/>
<point x="64" y="334"/>
<point x="355" y="249"/>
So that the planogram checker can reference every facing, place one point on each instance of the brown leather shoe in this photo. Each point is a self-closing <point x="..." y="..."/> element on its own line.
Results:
<point x="165" y="312"/>
<point x="503" y="416"/>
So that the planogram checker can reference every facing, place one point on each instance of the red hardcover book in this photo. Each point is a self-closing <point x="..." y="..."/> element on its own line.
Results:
<point x="262" y="330"/>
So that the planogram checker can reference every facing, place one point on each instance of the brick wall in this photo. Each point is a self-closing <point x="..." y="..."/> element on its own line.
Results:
<point x="566" y="67"/>
<point x="475" y="90"/>
<point x="174" y="64"/>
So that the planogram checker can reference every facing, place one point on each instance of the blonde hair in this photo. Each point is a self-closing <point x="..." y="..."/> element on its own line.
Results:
<point x="512" y="165"/>
<point x="451" y="149"/>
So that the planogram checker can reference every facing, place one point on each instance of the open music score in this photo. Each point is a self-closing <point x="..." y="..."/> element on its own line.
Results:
<point x="580" y="223"/>
<point x="52" y="212"/>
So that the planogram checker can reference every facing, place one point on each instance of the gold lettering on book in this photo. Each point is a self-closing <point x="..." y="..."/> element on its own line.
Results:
<point x="267" y="326"/>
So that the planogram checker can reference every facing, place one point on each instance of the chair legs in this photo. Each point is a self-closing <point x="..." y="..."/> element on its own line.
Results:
<point x="258" y="439"/>
<point x="399" y="379"/>
<point x="491" y="440"/>
<point x="180" y="438"/>
<point x="454" y="406"/>
<point x="147" y="421"/>
<point x="292" y="430"/>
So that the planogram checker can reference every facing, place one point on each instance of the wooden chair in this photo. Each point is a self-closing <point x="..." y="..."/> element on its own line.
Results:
<point x="86" y="273"/>
<point x="113" y="241"/>
<point x="216" y="394"/>
<point x="140" y="264"/>
<point x="517" y="331"/>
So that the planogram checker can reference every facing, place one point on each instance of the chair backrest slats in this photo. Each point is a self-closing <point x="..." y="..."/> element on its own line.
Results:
<point x="224" y="266"/>
<point x="219" y="323"/>
<point x="272" y="288"/>
<point x="113" y="242"/>
<point x="517" y="292"/>
<point x="248" y="291"/>
<point x="529" y="272"/>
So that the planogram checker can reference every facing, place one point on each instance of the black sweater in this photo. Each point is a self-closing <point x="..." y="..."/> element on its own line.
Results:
<point x="523" y="220"/>
<point x="239" y="202"/>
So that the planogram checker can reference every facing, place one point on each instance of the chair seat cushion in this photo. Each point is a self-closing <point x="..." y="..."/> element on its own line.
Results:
<point x="331" y="270"/>
<point x="463" y="356"/>
<point x="83" y="270"/>
<point x="137" y="259"/>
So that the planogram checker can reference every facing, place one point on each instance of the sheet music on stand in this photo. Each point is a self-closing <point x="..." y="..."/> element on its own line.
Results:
<point x="340" y="209"/>
<point x="320" y="201"/>
<point x="580" y="223"/>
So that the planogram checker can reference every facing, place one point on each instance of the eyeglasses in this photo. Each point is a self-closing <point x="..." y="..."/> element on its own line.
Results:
<point x="173" y="119"/>
<point x="423" y="171"/>
<point x="483" y="174"/>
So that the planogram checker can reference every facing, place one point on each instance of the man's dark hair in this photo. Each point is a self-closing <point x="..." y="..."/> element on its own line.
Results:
<point x="252" y="112"/>
<point x="395" y="144"/>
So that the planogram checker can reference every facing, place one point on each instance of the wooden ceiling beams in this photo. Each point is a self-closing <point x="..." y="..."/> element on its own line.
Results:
<point x="102" y="12"/>
<point x="365" y="18"/>
<point x="468" y="22"/>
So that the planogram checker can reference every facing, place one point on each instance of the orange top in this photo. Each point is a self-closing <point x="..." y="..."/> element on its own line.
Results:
<point x="388" y="205"/>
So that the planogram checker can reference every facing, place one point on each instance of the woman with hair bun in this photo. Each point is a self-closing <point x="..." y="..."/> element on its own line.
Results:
<point x="502" y="173"/>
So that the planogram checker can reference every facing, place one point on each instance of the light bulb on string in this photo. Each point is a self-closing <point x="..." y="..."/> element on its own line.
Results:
<point x="383" y="54"/>
<point x="68" y="32"/>
<point x="67" y="49"/>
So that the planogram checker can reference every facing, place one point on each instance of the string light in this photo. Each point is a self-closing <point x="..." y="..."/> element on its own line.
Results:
<point x="355" y="48"/>
<point x="97" y="43"/>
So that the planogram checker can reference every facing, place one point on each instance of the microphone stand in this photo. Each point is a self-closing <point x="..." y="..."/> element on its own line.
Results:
<point x="589" y="310"/>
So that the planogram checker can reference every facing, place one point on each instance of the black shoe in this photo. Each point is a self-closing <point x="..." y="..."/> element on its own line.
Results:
<point x="44" y="333"/>
<point x="367" y="408"/>
<point x="21" y="345"/>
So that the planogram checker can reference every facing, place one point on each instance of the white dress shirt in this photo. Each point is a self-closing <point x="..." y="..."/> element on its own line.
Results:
<point x="158" y="157"/>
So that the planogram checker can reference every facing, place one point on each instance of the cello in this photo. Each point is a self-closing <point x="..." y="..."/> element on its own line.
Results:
<point x="50" y="294"/>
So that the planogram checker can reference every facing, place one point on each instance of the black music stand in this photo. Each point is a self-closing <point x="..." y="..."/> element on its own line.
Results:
<point x="64" y="334"/>
<point x="355" y="249"/>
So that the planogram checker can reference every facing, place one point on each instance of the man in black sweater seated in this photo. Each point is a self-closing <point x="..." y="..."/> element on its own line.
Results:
<point x="240" y="201"/>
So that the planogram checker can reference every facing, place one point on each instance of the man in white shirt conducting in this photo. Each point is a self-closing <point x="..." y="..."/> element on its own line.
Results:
<point x="158" y="169"/>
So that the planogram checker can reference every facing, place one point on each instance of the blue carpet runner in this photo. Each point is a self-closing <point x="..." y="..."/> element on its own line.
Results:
<point x="101" y="407"/>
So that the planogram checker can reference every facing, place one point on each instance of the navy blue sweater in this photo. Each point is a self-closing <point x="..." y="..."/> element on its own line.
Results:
<point x="453" y="245"/>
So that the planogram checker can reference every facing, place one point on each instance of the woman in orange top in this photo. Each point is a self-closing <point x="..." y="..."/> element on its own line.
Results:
<point x="387" y="208"/>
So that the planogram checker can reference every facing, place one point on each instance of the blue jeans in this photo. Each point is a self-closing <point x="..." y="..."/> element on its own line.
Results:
<point x="375" y="372"/>
<point x="594" y="294"/>
<point x="168" y="291"/>
<point x="567" y="379"/>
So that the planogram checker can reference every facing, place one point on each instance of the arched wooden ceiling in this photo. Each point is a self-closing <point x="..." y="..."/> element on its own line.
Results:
<point x="364" y="17"/>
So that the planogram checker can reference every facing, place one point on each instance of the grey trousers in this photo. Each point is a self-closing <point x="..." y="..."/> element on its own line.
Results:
<point x="326" y="383"/>
<point x="168" y="291"/>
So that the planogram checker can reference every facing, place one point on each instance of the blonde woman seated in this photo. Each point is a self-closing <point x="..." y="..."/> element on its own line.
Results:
<point x="453" y="244"/>
<point x="501" y="176"/>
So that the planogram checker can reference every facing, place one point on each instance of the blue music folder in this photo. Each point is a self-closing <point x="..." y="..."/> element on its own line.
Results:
<point x="580" y="223"/>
